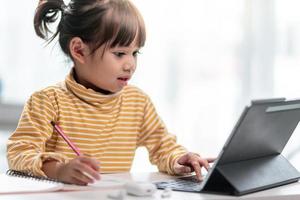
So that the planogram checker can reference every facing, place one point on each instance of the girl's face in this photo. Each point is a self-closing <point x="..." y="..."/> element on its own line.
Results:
<point x="109" y="69"/>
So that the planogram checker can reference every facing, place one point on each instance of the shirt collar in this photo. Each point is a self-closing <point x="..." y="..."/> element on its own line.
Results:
<point x="102" y="101"/>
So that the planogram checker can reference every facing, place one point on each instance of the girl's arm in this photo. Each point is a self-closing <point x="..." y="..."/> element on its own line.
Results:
<point x="26" y="146"/>
<point x="162" y="146"/>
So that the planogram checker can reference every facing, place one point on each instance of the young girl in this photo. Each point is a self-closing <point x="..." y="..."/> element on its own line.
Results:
<point x="106" y="118"/>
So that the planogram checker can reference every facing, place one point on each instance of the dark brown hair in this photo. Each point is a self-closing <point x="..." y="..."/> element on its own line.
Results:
<point x="97" y="22"/>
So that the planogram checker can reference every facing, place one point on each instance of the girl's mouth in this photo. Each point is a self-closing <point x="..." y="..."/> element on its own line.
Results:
<point x="123" y="81"/>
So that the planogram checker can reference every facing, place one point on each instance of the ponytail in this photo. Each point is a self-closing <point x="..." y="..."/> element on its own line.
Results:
<point x="46" y="13"/>
<point x="96" y="22"/>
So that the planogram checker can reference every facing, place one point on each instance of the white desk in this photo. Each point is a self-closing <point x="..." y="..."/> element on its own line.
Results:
<point x="290" y="192"/>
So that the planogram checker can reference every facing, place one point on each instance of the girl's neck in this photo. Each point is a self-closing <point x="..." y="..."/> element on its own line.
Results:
<point x="97" y="89"/>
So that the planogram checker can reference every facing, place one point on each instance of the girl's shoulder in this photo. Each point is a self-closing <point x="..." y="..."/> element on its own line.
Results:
<point x="53" y="90"/>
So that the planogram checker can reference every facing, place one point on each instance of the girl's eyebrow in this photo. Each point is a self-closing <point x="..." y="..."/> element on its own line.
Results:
<point x="126" y="48"/>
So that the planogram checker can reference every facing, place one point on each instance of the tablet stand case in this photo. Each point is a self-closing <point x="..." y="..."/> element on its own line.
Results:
<point x="272" y="123"/>
<point x="248" y="176"/>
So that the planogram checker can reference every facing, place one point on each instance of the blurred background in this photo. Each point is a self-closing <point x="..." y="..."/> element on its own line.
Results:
<point x="203" y="62"/>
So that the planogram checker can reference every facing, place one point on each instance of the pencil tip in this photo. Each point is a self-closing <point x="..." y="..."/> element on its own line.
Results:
<point x="52" y="122"/>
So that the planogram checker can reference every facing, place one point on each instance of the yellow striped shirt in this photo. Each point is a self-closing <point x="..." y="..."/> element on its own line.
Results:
<point x="106" y="127"/>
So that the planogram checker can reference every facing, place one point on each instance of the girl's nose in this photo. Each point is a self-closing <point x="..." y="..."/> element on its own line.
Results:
<point x="129" y="65"/>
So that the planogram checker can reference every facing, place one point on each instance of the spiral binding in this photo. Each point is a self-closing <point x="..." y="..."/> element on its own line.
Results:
<point x="29" y="175"/>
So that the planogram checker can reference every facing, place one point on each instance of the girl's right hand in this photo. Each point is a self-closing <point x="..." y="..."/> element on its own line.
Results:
<point x="81" y="171"/>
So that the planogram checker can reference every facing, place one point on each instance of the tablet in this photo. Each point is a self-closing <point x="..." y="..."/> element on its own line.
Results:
<point x="251" y="159"/>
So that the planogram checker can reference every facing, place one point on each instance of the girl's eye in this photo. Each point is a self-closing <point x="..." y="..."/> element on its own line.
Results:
<point x="135" y="54"/>
<point x="119" y="54"/>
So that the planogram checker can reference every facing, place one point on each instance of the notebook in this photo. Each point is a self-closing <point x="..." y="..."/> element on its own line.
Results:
<point x="14" y="182"/>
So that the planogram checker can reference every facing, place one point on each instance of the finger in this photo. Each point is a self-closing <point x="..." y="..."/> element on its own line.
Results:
<point x="90" y="161"/>
<point x="93" y="173"/>
<point x="81" y="178"/>
<point x="183" y="169"/>
<point x="204" y="163"/>
<point x="183" y="159"/>
<point x="76" y="181"/>
<point x="210" y="160"/>
<point x="207" y="161"/>
<point x="89" y="176"/>
<point x="197" y="168"/>
<point x="88" y="171"/>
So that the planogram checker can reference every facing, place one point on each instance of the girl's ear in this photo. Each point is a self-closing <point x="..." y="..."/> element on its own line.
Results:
<point x="78" y="50"/>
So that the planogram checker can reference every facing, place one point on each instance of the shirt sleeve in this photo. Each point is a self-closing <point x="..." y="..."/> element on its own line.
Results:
<point x="162" y="147"/>
<point x="26" y="146"/>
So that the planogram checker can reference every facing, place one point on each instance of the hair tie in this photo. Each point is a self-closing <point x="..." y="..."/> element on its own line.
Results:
<point x="63" y="7"/>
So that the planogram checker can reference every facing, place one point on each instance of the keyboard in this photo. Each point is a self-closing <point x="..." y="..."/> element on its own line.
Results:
<point x="187" y="184"/>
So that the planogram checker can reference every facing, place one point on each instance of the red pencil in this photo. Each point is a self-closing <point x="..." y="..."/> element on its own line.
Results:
<point x="65" y="137"/>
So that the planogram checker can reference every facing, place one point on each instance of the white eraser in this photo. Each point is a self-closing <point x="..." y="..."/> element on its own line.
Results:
<point x="140" y="188"/>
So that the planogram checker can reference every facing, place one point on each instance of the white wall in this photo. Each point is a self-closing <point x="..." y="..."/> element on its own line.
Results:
<point x="203" y="61"/>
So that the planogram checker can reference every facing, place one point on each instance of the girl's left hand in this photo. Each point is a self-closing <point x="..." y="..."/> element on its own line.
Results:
<point x="190" y="162"/>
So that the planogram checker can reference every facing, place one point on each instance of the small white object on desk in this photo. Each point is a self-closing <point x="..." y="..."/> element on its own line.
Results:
<point x="140" y="188"/>
<point x="166" y="193"/>
<point x="119" y="195"/>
